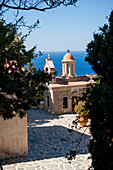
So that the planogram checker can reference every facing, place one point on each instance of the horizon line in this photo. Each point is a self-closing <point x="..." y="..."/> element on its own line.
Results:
<point x="63" y="51"/>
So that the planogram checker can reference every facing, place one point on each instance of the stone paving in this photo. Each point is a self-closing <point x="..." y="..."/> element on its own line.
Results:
<point x="49" y="140"/>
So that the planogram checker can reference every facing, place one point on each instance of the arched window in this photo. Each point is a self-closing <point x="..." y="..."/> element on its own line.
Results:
<point x="65" y="102"/>
<point x="48" y="104"/>
<point x="46" y="69"/>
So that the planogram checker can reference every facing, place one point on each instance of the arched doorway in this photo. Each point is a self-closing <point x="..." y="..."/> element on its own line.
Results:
<point x="74" y="102"/>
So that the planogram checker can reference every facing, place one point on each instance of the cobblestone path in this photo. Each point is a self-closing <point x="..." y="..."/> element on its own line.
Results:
<point x="49" y="140"/>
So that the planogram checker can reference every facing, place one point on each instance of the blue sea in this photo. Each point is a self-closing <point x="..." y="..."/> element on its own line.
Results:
<point x="81" y="66"/>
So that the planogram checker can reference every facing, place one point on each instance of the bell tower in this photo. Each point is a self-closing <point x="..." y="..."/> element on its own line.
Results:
<point x="68" y="65"/>
<point x="50" y="68"/>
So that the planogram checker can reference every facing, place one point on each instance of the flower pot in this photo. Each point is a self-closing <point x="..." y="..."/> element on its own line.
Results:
<point x="83" y="120"/>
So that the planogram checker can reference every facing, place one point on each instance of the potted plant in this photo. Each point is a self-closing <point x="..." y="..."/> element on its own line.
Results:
<point x="82" y="113"/>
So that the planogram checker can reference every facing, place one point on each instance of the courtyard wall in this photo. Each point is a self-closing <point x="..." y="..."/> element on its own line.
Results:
<point x="56" y="95"/>
<point x="13" y="137"/>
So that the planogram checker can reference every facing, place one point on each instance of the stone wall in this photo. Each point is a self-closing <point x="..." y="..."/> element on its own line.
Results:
<point x="56" y="95"/>
<point x="48" y="93"/>
<point x="13" y="137"/>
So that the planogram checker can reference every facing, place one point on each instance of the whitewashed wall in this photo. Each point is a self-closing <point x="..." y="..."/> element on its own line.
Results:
<point x="13" y="137"/>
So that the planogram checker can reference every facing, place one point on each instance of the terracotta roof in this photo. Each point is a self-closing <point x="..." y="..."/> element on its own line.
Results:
<point x="68" y="56"/>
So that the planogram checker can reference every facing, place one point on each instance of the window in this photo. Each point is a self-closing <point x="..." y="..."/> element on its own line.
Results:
<point x="65" y="102"/>
<point x="48" y="104"/>
<point x="46" y="69"/>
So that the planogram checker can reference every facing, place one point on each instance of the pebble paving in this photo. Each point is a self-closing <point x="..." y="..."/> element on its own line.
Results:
<point x="49" y="140"/>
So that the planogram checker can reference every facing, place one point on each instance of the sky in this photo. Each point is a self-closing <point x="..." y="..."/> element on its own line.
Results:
<point x="68" y="27"/>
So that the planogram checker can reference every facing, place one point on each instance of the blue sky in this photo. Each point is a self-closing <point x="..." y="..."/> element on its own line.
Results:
<point x="68" y="27"/>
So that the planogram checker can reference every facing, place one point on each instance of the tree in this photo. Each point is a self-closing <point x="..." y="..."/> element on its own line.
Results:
<point x="37" y="80"/>
<point x="99" y="98"/>
<point x="34" y="4"/>
<point x="16" y="90"/>
<point x="27" y="5"/>
<point x="19" y="88"/>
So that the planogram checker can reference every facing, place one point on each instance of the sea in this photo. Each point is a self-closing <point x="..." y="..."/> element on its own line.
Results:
<point x="81" y="66"/>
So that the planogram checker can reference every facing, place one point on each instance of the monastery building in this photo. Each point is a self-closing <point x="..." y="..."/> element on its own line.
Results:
<point x="63" y="92"/>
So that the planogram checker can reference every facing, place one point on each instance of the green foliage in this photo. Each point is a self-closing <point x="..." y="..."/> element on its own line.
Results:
<point x="36" y="80"/>
<point x="16" y="94"/>
<point x="99" y="97"/>
<point x="100" y="52"/>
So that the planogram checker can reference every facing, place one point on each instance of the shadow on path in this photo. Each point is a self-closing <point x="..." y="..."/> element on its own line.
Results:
<point x="40" y="116"/>
<point x="50" y="141"/>
<point x="54" y="141"/>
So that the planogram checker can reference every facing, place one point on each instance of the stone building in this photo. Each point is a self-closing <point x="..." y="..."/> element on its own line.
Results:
<point x="63" y="92"/>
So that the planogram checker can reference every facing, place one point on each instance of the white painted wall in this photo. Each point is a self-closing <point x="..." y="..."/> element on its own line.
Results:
<point x="13" y="137"/>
